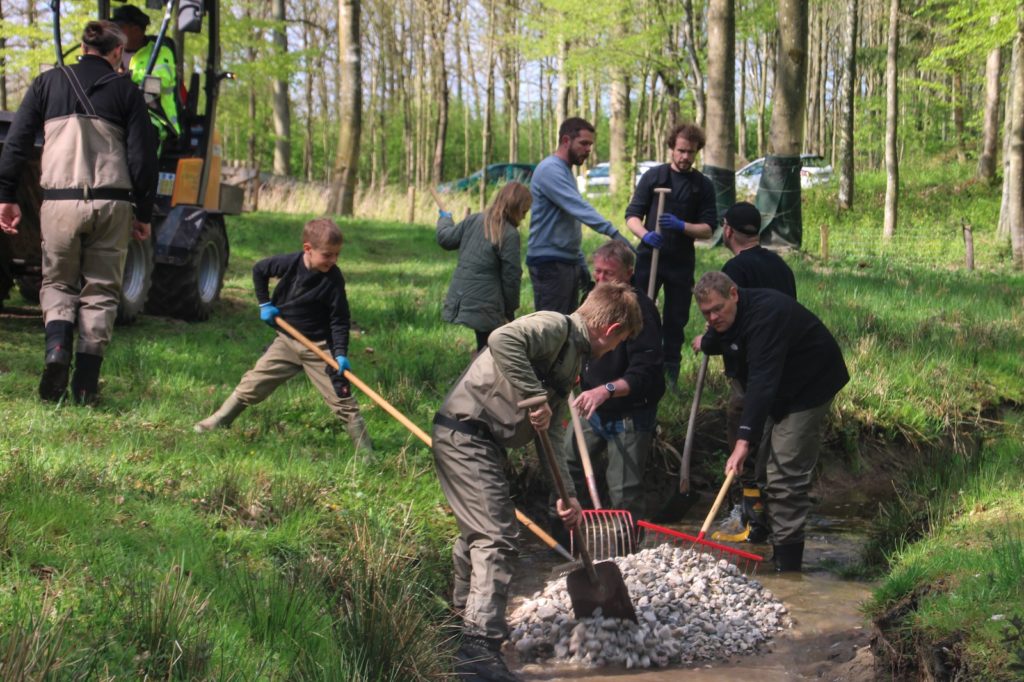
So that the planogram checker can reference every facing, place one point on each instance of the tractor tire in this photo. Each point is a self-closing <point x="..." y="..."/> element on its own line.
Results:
<point x="138" y="277"/>
<point x="189" y="291"/>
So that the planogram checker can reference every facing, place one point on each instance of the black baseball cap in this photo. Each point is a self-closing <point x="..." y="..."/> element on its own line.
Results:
<point x="744" y="218"/>
<point x="130" y="14"/>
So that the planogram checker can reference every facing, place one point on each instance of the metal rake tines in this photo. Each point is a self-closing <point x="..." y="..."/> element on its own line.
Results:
<point x="658" y="535"/>
<point x="608" y="533"/>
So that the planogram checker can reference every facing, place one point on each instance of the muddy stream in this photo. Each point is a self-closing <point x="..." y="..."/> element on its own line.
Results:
<point x="829" y="637"/>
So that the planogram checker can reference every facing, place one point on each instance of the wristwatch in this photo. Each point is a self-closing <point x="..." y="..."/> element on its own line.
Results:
<point x="610" y="387"/>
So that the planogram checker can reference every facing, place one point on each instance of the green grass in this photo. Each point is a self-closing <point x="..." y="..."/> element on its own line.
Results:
<point x="122" y="530"/>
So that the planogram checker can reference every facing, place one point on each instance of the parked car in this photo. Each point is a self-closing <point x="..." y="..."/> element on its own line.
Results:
<point x="814" y="171"/>
<point x="497" y="173"/>
<point x="597" y="179"/>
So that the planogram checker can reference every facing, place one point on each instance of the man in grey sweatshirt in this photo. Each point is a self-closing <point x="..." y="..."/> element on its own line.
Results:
<point x="558" y="268"/>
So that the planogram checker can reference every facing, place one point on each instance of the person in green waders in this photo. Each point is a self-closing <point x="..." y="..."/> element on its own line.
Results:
<point x="163" y="112"/>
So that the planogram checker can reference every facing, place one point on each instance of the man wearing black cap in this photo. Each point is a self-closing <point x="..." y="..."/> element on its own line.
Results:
<point x="752" y="267"/>
<point x="163" y="111"/>
<point x="793" y="370"/>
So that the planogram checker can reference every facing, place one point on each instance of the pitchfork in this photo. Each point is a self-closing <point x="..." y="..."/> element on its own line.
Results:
<point x="607" y="532"/>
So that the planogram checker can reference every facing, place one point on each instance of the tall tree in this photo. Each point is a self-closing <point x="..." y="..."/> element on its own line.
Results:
<point x="990" y="130"/>
<point x="849" y="89"/>
<point x="487" y="141"/>
<point x="778" y="196"/>
<point x="619" y="126"/>
<point x="350" y="102"/>
<point x="892" y="162"/>
<point x="1015" y="186"/>
<point x="720" y="154"/>
<point x="281" y="103"/>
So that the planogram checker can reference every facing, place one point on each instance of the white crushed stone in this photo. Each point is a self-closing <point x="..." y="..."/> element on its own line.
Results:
<point x="690" y="607"/>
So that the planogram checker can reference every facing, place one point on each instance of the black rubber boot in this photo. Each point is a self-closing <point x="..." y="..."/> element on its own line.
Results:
<point x="85" y="384"/>
<point x="789" y="558"/>
<point x="479" y="658"/>
<point x="59" y="341"/>
<point x="672" y="376"/>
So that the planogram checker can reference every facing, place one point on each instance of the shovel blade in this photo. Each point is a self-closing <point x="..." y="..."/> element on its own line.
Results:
<point x="607" y="593"/>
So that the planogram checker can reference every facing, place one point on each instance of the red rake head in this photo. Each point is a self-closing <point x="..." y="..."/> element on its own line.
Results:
<point x="608" y="533"/>
<point x="658" y="535"/>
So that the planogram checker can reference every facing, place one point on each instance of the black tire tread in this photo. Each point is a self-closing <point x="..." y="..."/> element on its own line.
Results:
<point x="175" y="289"/>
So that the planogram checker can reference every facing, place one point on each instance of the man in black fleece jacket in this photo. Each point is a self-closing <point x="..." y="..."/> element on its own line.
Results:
<point x="618" y="403"/>
<point x="791" y="369"/>
<point x="310" y="294"/>
<point x="98" y="180"/>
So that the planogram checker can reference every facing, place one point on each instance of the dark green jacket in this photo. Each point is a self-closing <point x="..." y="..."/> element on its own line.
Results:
<point x="484" y="293"/>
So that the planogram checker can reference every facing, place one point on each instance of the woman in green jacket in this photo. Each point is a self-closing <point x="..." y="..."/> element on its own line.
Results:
<point x="484" y="293"/>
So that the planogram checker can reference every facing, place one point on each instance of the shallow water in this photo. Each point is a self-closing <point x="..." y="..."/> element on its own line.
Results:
<point x="829" y="636"/>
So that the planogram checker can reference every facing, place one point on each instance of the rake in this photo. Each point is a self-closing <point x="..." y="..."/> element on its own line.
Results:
<point x="608" y="533"/>
<point x="657" y="535"/>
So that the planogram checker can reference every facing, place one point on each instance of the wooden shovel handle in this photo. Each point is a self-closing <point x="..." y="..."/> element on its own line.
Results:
<point x="718" y="503"/>
<point x="556" y="476"/>
<point x="691" y="428"/>
<point x="652" y="281"/>
<point x="376" y="397"/>
<point x="544" y="537"/>
<point x="581" y="444"/>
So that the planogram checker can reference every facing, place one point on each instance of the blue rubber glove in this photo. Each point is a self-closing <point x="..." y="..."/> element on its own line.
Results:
<point x="343" y="363"/>
<point x="667" y="221"/>
<point x="269" y="311"/>
<point x="444" y="214"/>
<point x="653" y="240"/>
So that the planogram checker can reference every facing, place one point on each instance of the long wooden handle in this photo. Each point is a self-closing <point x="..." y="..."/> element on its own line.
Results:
<point x="544" y="537"/>
<point x="417" y="431"/>
<point x="581" y="443"/>
<point x="437" y="199"/>
<point x="691" y="428"/>
<point x="376" y="397"/>
<point x="556" y="476"/>
<point x="652" y="281"/>
<point x="718" y="503"/>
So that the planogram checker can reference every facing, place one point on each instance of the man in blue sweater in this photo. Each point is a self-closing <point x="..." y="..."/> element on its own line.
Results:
<point x="557" y="266"/>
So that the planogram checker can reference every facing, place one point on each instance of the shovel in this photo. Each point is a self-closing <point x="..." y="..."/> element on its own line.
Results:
<point x="652" y="282"/>
<point x="406" y="422"/>
<point x="593" y="586"/>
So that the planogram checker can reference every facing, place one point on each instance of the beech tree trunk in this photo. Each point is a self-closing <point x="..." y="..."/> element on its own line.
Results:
<point x="1003" y="230"/>
<point x="1015" y="186"/>
<point x="439" y="23"/>
<point x="696" y="73"/>
<point x="846" y="172"/>
<point x="281" y="103"/>
<point x="990" y="131"/>
<point x="620" y="176"/>
<point x="790" y="94"/>
<point x="720" y="149"/>
<point x="341" y="199"/>
<point x="3" y="65"/>
<point x="487" y="139"/>
<point x="741" y="104"/>
<point x="892" y="163"/>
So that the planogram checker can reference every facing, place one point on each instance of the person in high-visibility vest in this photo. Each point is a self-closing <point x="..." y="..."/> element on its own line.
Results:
<point x="163" y="111"/>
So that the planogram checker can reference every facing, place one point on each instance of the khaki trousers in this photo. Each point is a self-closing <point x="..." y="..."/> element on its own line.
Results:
<point x="785" y="462"/>
<point x="84" y="247"/>
<point x="282" y="360"/>
<point x="469" y="469"/>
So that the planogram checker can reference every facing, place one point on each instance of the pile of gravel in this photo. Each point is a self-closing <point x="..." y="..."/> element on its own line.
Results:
<point x="691" y="607"/>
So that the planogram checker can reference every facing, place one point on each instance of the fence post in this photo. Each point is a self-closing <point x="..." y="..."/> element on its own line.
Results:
<point x="824" y="242"/>
<point x="411" y="201"/>
<point x="968" y="245"/>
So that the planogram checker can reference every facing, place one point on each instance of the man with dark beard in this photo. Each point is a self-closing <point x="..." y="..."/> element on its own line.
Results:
<point x="558" y="269"/>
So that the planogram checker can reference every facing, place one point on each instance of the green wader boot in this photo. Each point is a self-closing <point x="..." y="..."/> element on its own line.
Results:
<point x="223" y="417"/>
